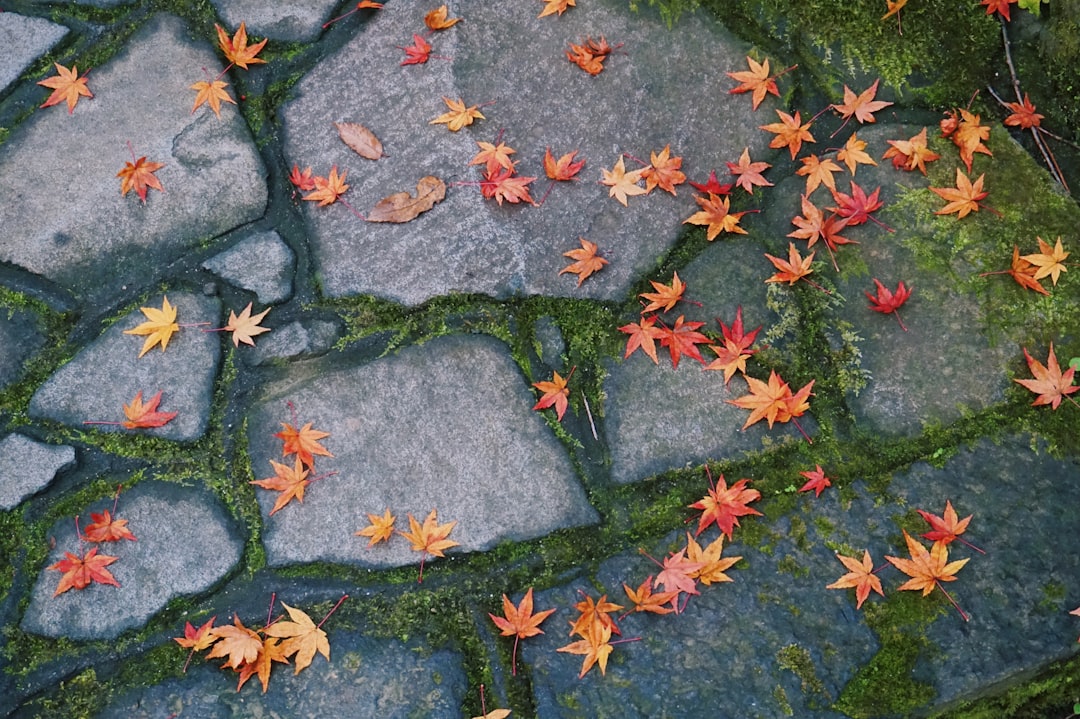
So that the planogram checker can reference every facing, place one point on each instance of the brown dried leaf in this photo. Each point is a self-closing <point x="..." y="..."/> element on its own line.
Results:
<point x="360" y="139"/>
<point x="402" y="207"/>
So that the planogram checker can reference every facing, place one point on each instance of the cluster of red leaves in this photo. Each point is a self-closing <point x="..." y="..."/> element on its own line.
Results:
<point x="292" y="481"/>
<point x="254" y="651"/>
<point x="81" y="572"/>
<point x="926" y="569"/>
<point x="429" y="538"/>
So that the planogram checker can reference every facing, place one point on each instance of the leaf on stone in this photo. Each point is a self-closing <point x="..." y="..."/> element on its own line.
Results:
<point x="212" y="94"/>
<point x="860" y="577"/>
<point x="565" y="168"/>
<point x="245" y="326"/>
<point x="713" y="567"/>
<point x="141" y="416"/>
<point x="66" y="86"/>
<point x="643" y="336"/>
<point x="675" y="576"/>
<point x="862" y="106"/>
<point x="748" y="173"/>
<point x="458" y="116"/>
<point x="724" y="505"/>
<point x="792" y="269"/>
<point x="773" y="401"/>
<point x="946" y="528"/>
<point x="236" y="643"/>
<point x="418" y="53"/>
<point x="1023" y="114"/>
<point x="663" y="171"/>
<point x="623" y="184"/>
<point x="80" y="572"/>
<point x="290" y="481"/>
<point x="732" y="355"/>
<point x="437" y="19"/>
<point x="302" y="180"/>
<point x="269" y="652"/>
<point x="1023" y="272"/>
<point x="236" y="49"/>
<point x="818" y="172"/>
<point x="967" y="134"/>
<point x="106" y="528"/>
<point x="328" y="189"/>
<point x="665" y="296"/>
<point x="912" y="154"/>
<point x="926" y="568"/>
<point x="790" y="132"/>
<point x="506" y="185"/>
<point x="360" y="139"/>
<point x="1049" y="260"/>
<point x="594" y="611"/>
<point x="158" y="327"/>
<point x="855" y="209"/>
<point x="197" y="639"/>
<point x="556" y="6"/>
<point x="713" y="185"/>
<point x="519" y="622"/>
<point x="403" y="207"/>
<point x="554" y="394"/>
<point x="596" y="648"/>
<point x="429" y="538"/>
<point x="886" y="301"/>
<point x="301" y="636"/>
<point x="962" y="199"/>
<point x="586" y="261"/>
<point x="1049" y="382"/>
<point x="716" y="215"/>
<point x="816" y="481"/>
<point x="755" y="80"/>
<point x="853" y="154"/>
<point x="493" y="156"/>
<point x="303" y="442"/>
<point x="681" y="339"/>
<point x="139" y="176"/>
<point x="645" y="599"/>
<point x="379" y="529"/>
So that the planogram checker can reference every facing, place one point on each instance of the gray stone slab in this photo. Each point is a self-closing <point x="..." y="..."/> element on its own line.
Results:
<point x="262" y="264"/>
<point x="279" y="19"/>
<point x="24" y="39"/>
<point x="447" y="425"/>
<point x="95" y="240"/>
<point x="27" y="466"/>
<point x="303" y="338"/>
<point x="184" y="544"/>
<point x="469" y="244"/>
<point x="20" y="337"/>
<point x="722" y="656"/>
<point x="365" y="678"/>
<point x="107" y="373"/>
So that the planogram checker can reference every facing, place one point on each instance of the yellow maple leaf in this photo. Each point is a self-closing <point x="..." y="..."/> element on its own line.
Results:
<point x="159" y="326"/>
<point x="380" y="529"/>
<point x="459" y="116"/>
<point x="301" y="636"/>
<point x="212" y="94"/>
<point x="430" y="538"/>
<point x="244" y="326"/>
<point x="623" y="184"/>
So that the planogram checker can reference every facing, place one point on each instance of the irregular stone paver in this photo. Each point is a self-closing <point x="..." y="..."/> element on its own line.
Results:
<point x="95" y="240"/>
<point x="364" y="678"/>
<point x="27" y="466"/>
<point x="24" y="39"/>
<point x="108" y="372"/>
<point x="185" y="543"/>
<point x="468" y="244"/>
<point x="19" y="338"/>
<point x="446" y="425"/>
<point x="278" y="19"/>
<point x="295" y="339"/>
<point x="722" y="656"/>
<point x="262" y="263"/>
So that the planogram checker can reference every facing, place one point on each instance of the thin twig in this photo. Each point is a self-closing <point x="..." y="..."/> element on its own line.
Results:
<point x="588" y="411"/>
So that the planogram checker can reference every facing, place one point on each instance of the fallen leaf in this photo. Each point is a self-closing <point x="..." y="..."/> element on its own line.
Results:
<point x="437" y="19"/>
<point x="290" y="481"/>
<point x="817" y="481"/>
<point x="1001" y="7"/>
<point x="596" y="647"/>
<point x="642" y="336"/>
<point x="303" y="442"/>
<point x="493" y="156"/>
<point x="235" y="642"/>
<point x="159" y="326"/>
<point x="141" y="415"/>
<point x="748" y="173"/>
<point x="556" y="6"/>
<point x="362" y="140"/>
<point x="713" y="185"/>
<point x="793" y="269"/>
<point x="236" y="49"/>
<point x="269" y="653"/>
<point x="675" y="576"/>
<point x="402" y="207"/>
<point x="862" y="106"/>
<point x="855" y="208"/>
<point x="724" y="505"/>
<point x="520" y="622"/>
<point x="506" y="185"/>
<point x="1049" y="260"/>
<point x="586" y="261"/>
<point x="967" y="134"/>
<point x="564" y="168"/>
<point x="598" y="611"/>
<point x="197" y="639"/>
<point x="431" y="538"/>
<point x="681" y="339"/>
<point x="302" y="180"/>
<point x="716" y="215"/>
<point x="379" y="529"/>
<point x="663" y="171"/>
<point x="417" y="53"/>
<point x="555" y="393"/>
<point x="1050" y="383"/>
<point x="586" y="59"/>
<point x="66" y="86"/>
<point x="755" y="80"/>
<point x="212" y="94"/>
<point x="893" y="7"/>
<point x="732" y="356"/>
<point x="623" y="184"/>
<point x="772" y="401"/>
<point x="860" y="577"/>
<point x="963" y="198"/>
<point x="947" y="527"/>
<point x="853" y="153"/>
<point x="328" y="189"/>
<point x="911" y="154"/>
<point x="244" y="326"/>
<point x="139" y="176"/>
<point x="1023" y="114"/>
<point x="790" y="133"/>
<point x="886" y="301"/>
<point x="926" y="569"/>
<point x="459" y="116"/>
<point x="80" y="572"/>
<point x="645" y="599"/>
<point x="818" y="172"/>
<point x="1024" y="273"/>
<point x="665" y="296"/>
<point x="302" y="638"/>
<point x="713" y="567"/>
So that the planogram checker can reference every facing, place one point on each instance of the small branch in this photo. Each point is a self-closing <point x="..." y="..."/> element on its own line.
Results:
<point x="588" y="411"/>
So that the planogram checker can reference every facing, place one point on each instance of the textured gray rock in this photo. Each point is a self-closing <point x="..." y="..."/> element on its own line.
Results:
<point x="305" y="338"/>
<point x="20" y="337"/>
<point x="364" y="678"/>
<point x="636" y="105"/>
<point x="446" y="425"/>
<point x="278" y="19"/>
<point x="24" y="39"/>
<point x="27" y="466"/>
<point x="262" y="264"/>
<point x="108" y="372"/>
<point x="184" y="545"/>
<point x="95" y="240"/>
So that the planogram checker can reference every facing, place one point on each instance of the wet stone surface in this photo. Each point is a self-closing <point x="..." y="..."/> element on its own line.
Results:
<point x="27" y="466"/>
<point x="24" y="39"/>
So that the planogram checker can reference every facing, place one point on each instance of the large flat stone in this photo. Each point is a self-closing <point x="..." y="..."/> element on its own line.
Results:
<point x="446" y="425"/>
<point x="60" y="202"/>
<point x="20" y="337"/>
<point x="278" y="19"/>
<point x="108" y="372"/>
<point x="261" y="263"/>
<point x="185" y="544"/>
<point x="27" y="466"/>
<point x="24" y="39"/>
<point x="638" y="104"/>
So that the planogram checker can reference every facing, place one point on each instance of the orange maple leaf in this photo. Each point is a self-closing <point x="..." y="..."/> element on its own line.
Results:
<point x="437" y="19"/>
<point x="1023" y="272"/>
<point x="431" y="538"/>
<point x="106" y="528"/>
<point x="290" y="481"/>
<point x="793" y="269"/>
<point x="80" y="572"/>
<point x="139" y="176"/>
<point x="789" y="132"/>
<point x="748" y="173"/>
<point x="962" y="199"/>
<point x="755" y="80"/>
<point x="269" y="652"/>
<point x="772" y="401"/>
<point x="197" y="639"/>
<point x="817" y="481"/>
<point x="302" y="638"/>
<point x="663" y="171"/>
<point x="911" y="154"/>
<point x="303" y="180"/>
<point x="586" y="261"/>
<point x="458" y="116"/>
<point x="141" y="415"/>
<point x="556" y="6"/>
<point x="623" y="184"/>
<point x="564" y="168"/>
<point x="665" y="296"/>
<point x="328" y="189"/>
<point x="520" y="622"/>
<point x="736" y="349"/>
<point x="586" y="57"/>
<point x="860" y="576"/>
<point x="417" y="53"/>
<point x="1023" y="114"/>
<point x="493" y="156"/>
<point x="212" y="94"/>
<point x="1049" y="260"/>
<point x="818" y="172"/>
<point x="379" y="529"/>
<point x="506" y="185"/>
<point x="555" y="393"/>
<point x="594" y="611"/>
<point x="862" y="106"/>
<point x="303" y="442"/>
<point x="236" y="49"/>
<point x="716" y="215"/>
<point x="596" y="647"/>
<point x="244" y="326"/>
<point x="1050" y="383"/>
<point x="724" y="505"/>
<point x="713" y="568"/>
<point x="928" y="569"/>
<point x="643" y="336"/>
<point x="946" y="528"/>
<point x="159" y="326"/>
<point x="645" y="599"/>
<point x="853" y="154"/>
<point x="238" y="644"/>
<point x="681" y="339"/>
<point x="967" y="134"/>
<point x="66" y="86"/>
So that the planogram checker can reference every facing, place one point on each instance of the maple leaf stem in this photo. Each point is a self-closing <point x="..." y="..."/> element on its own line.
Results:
<point x="972" y="546"/>
<point x="192" y="324"/>
<point x="991" y="209"/>
<point x="875" y="570"/>
<point x="641" y="550"/>
<point x="801" y="431"/>
<point x="995" y="272"/>
<point x="546" y="193"/>
<point x="332" y="610"/>
<point x="188" y="660"/>
<point x="292" y="412"/>
<point x="880" y="224"/>
<point x="99" y="421"/>
<point x="513" y="657"/>
<point x="625" y="639"/>
<point x="423" y="556"/>
<point x="821" y="112"/>
<point x="815" y="284"/>
<point x="636" y="159"/>
<point x="842" y="125"/>
<point x="355" y="211"/>
<point x="953" y="601"/>
<point x="896" y="314"/>
<point x="330" y="22"/>
<point x="116" y="497"/>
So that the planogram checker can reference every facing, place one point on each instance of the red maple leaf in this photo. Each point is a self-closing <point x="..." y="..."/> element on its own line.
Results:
<point x="417" y="53"/>
<point x="888" y="301"/>
<point x="503" y="184"/>
<point x="736" y="350"/>
<point x="711" y="185"/>
<point x="999" y="6"/>
<point x="303" y="442"/>
<point x="675" y="576"/>
<point x="1023" y="114"/>
<point x="948" y="527"/>
<point x="106" y="528"/>
<point x="724" y="505"/>
<point x="681" y="339"/>
<point x="818" y="482"/>
<point x="555" y="394"/>
<point x="643" y="336"/>
<point x="79" y="572"/>
<point x="855" y="208"/>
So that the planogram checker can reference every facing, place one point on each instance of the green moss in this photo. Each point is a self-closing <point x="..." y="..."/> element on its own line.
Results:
<point x="80" y="697"/>
<point x="796" y="659"/>
<point x="781" y="699"/>
<point x="1053" y="692"/>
